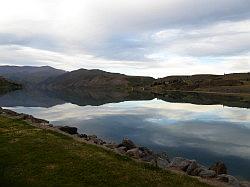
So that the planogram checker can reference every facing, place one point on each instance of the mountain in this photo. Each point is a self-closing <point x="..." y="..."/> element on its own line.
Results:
<point x="228" y="83"/>
<point x="6" y="86"/>
<point x="29" y="75"/>
<point x="97" y="79"/>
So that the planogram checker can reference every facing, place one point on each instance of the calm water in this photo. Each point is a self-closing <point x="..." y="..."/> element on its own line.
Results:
<point x="207" y="133"/>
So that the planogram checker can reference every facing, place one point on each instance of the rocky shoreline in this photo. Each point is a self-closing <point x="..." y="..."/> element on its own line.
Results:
<point x="215" y="173"/>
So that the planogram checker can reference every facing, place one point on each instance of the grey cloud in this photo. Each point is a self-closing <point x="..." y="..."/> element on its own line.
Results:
<point x="121" y="31"/>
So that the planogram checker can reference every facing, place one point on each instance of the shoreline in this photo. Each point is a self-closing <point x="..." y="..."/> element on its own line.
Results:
<point x="215" y="175"/>
<point x="204" y="92"/>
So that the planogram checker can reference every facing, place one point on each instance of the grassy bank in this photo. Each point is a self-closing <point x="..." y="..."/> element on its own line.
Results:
<point x="30" y="156"/>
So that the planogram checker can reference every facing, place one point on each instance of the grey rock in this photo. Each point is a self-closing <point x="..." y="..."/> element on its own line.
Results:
<point x="207" y="174"/>
<point x="197" y="171"/>
<point x="231" y="180"/>
<point x="144" y="152"/>
<point x="97" y="141"/>
<point x="180" y="163"/>
<point x="194" y="165"/>
<point x="127" y="143"/>
<point x="219" y="168"/>
<point x="162" y="160"/>
<point x="135" y="153"/>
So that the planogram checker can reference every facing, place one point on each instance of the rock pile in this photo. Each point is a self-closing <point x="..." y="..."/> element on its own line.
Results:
<point x="219" y="168"/>
<point x="217" y="171"/>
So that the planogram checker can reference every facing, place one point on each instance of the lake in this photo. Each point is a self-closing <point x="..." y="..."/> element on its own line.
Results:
<point x="207" y="131"/>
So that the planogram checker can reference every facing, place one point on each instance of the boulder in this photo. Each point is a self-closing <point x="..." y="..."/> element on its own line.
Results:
<point x="180" y="163"/>
<point x="194" y="165"/>
<point x="97" y="141"/>
<point x="144" y="152"/>
<point x="206" y="173"/>
<point x="197" y="170"/>
<point x="127" y="143"/>
<point x="135" y="153"/>
<point x="219" y="168"/>
<point x="69" y="130"/>
<point x="162" y="160"/>
<point x="231" y="180"/>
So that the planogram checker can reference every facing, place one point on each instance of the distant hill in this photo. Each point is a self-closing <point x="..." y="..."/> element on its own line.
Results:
<point x="49" y="78"/>
<point x="97" y="79"/>
<point x="228" y="83"/>
<point x="29" y="75"/>
<point x="6" y="86"/>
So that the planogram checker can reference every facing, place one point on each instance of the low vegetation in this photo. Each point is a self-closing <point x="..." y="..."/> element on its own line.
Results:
<point x="30" y="156"/>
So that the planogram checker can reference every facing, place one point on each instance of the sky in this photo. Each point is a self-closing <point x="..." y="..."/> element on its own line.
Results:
<point x="135" y="37"/>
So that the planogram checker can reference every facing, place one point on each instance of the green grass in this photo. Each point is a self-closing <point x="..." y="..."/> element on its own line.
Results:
<point x="31" y="156"/>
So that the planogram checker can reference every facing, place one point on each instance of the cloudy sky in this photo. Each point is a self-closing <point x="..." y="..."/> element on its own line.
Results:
<point x="135" y="37"/>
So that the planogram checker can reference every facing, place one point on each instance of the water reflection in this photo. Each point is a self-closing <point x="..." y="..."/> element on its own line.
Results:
<point x="207" y="133"/>
<point x="96" y="97"/>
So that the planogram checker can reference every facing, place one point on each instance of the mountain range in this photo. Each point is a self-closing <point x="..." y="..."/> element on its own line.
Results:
<point x="48" y="78"/>
<point x="96" y="79"/>
<point x="29" y="75"/>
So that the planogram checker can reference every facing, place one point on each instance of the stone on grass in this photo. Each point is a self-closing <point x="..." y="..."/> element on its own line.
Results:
<point x="162" y="160"/>
<point x="231" y="180"/>
<point x="207" y="173"/>
<point x="135" y="153"/>
<point x="180" y="163"/>
<point x="127" y="143"/>
<point x="194" y="165"/>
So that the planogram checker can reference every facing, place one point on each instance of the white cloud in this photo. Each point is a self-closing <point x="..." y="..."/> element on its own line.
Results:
<point x="226" y="38"/>
<point x="141" y="37"/>
<point x="174" y="65"/>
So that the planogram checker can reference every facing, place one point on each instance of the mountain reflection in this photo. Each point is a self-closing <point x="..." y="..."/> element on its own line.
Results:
<point x="96" y="97"/>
